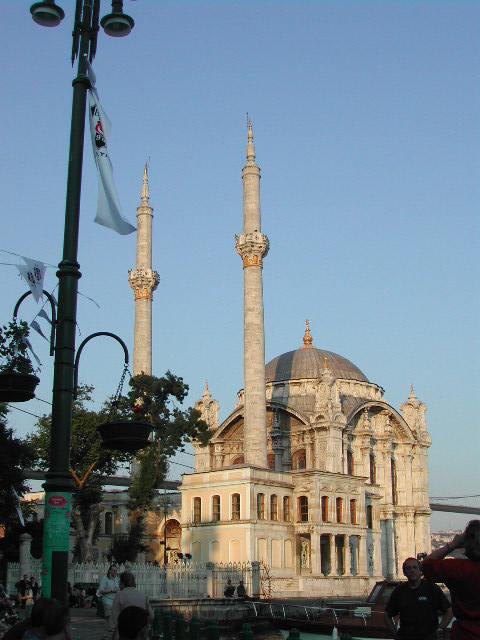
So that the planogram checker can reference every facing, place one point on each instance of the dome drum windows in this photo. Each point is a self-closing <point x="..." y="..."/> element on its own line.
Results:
<point x="236" y="506"/>
<point x="299" y="460"/>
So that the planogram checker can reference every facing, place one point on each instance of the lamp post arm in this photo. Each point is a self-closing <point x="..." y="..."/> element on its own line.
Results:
<point x="54" y="318"/>
<point x="80" y="349"/>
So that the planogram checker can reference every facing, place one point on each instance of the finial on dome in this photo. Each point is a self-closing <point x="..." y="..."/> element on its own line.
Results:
<point x="412" y="392"/>
<point x="307" y="338"/>
<point x="145" y="191"/>
<point x="325" y="364"/>
<point x="250" y="145"/>
<point x="206" y="385"/>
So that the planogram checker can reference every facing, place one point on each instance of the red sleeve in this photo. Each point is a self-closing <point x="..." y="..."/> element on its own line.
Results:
<point x="441" y="570"/>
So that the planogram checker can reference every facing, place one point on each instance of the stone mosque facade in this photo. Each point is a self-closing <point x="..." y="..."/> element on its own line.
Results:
<point x="313" y="472"/>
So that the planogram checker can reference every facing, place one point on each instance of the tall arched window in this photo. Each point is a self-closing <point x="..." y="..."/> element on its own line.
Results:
<point x="236" y="506"/>
<point x="324" y="508"/>
<point x="299" y="460"/>
<point x="271" y="460"/>
<point x="197" y="509"/>
<point x="261" y="506"/>
<point x="238" y="460"/>
<point x="286" y="509"/>
<point x="302" y="509"/>
<point x="353" y="512"/>
<point x="350" y="466"/>
<point x="339" y="509"/>
<point x="273" y="507"/>
<point x="394" y="482"/>
<point x="215" y="508"/>
<point x="108" y="522"/>
<point x="369" y="516"/>
<point x="373" y="470"/>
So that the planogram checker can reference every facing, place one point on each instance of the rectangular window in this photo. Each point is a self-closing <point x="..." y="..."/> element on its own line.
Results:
<point x="339" y="508"/>
<point x="197" y="509"/>
<point x="303" y="509"/>
<point x="216" y="508"/>
<point x="353" y="512"/>
<point x="324" y="509"/>
<point x="261" y="506"/>
<point x="236" y="506"/>
<point x="273" y="507"/>
<point x="369" y="517"/>
<point x="286" y="509"/>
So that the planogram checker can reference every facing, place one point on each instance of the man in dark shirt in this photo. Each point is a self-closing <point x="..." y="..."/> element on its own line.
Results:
<point x="418" y="605"/>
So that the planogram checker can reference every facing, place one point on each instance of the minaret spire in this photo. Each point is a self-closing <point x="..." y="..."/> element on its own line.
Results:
<point x="252" y="246"/>
<point x="143" y="281"/>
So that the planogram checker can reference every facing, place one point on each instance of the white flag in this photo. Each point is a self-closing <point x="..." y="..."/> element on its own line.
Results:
<point x="109" y="210"/>
<point x="36" y="327"/>
<point x="33" y="272"/>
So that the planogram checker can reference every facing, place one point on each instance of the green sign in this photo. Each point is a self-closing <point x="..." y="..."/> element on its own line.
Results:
<point x="56" y="534"/>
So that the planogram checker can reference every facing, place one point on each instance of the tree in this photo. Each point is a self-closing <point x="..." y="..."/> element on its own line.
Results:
<point x="89" y="462"/>
<point x="155" y="399"/>
<point x="15" y="456"/>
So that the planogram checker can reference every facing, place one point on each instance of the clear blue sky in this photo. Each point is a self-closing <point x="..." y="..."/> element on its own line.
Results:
<point x="366" y="124"/>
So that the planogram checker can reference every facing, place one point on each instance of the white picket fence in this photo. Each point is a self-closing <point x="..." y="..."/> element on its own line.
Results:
<point x="180" y="580"/>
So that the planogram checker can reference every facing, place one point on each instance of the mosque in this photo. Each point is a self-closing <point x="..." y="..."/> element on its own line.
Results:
<point x="313" y="472"/>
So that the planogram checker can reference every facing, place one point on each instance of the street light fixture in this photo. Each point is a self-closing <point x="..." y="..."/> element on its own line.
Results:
<point x="58" y="485"/>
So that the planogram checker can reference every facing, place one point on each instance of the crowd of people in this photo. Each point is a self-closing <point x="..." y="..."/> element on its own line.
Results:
<point x="419" y="602"/>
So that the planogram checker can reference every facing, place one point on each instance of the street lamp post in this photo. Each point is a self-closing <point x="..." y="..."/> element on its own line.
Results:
<point x="59" y="485"/>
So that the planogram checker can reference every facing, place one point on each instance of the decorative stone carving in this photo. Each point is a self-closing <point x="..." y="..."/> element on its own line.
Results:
<point x="209" y="409"/>
<point x="143" y="282"/>
<point x="252" y="248"/>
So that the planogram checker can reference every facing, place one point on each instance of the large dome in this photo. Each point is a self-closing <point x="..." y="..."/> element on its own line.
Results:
<point x="309" y="362"/>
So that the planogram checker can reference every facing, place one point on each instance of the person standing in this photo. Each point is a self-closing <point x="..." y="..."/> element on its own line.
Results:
<point x="35" y="587"/>
<point x="462" y="577"/>
<point x="418" y="602"/>
<point x="108" y="588"/>
<point x="128" y="596"/>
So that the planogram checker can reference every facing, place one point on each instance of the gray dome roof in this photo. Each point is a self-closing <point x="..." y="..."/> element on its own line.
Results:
<point x="309" y="362"/>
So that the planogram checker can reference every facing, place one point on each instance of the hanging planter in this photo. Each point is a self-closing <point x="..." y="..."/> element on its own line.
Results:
<point x="128" y="436"/>
<point x="17" y="376"/>
<point x="17" y="387"/>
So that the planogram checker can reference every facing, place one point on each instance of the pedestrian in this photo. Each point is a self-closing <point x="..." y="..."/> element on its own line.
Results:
<point x="22" y="585"/>
<point x="133" y="624"/>
<point x="462" y="577"/>
<point x="241" y="591"/>
<point x="35" y="588"/>
<point x="128" y="596"/>
<point x="27" y="599"/>
<point x="56" y="621"/>
<point x="108" y="588"/>
<point x="418" y="602"/>
<point x="229" y="589"/>
<point x="31" y="628"/>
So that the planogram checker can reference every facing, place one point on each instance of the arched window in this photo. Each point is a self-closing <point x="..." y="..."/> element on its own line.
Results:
<point x="236" y="506"/>
<point x="339" y="509"/>
<point x="353" y="512"/>
<point x="349" y="463"/>
<point x="197" y="509"/>
<point x="369" y="516"/>
<point x="299" y="460"/>
<point x="325" y="508"/>
<point x="261" y="506"/>
<point x="273" y="507"/>
<point x="394" y="482"/>
<point x="286" y="509"/>
<point x="271" y="460"/>
<point x="215" y="508"/>
<point x="302" y="509"/>
<point x="373" y="470"/>
<point x="238" y="460"/>
<point x="108" y="522"/>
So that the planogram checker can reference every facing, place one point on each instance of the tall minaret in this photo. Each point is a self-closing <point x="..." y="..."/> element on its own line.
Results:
<point x="252" y="247"/>
<point x="143" y="281"/>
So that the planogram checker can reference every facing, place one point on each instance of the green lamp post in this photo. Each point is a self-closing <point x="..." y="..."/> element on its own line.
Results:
<point x="59" y="485"/>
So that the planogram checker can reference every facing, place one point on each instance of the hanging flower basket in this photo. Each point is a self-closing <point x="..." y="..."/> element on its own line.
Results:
<point x="128" y="436"/>
<point x="17" y="387"/>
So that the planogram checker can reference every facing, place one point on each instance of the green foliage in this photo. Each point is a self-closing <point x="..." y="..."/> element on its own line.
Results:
<point x="15" y="455"/>
<point x="126" y="548"/>
<point x="155" y="400"/>
<point x="13" y="348"/>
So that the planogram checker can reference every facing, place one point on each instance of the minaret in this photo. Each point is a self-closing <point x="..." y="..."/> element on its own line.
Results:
<point x="143" y="281"/>
<point x="252" y="247"/>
